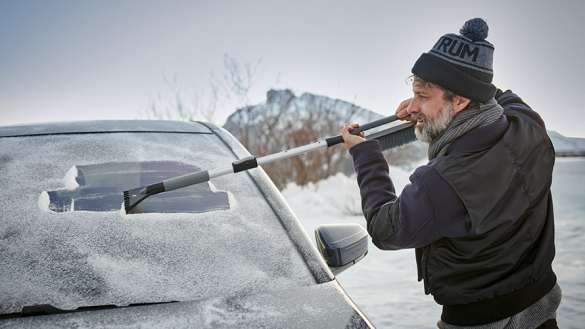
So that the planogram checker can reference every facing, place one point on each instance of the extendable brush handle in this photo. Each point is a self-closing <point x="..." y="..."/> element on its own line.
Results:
<point x="339" y="139"/>
<point x="135" y="196"/>
<point x="174" y="183"/>
<point x="253" y="162"/>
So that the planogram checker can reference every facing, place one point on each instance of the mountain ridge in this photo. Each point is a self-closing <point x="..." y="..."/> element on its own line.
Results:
<point x="281" y="102"/>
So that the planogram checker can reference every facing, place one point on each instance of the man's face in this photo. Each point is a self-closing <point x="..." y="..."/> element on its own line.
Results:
<point x="430" y="110"/>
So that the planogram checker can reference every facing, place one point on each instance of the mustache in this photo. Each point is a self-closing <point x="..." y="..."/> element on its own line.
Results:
<point x="418" y="117"/>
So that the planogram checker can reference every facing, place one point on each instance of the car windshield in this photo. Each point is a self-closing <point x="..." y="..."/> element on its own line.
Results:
<point x="65" y="241"/>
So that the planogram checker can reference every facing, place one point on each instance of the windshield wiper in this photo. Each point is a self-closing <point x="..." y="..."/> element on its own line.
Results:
<point x="48" y="309"/>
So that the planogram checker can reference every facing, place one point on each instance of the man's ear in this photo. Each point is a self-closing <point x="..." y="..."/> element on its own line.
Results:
<point x="460" y="103"/>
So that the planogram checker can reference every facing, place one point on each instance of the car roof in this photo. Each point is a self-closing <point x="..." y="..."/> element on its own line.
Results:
<point x="101" y="126"/>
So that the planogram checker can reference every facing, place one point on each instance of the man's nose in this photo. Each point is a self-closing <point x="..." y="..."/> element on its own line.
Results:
<point x="413" y="107"/>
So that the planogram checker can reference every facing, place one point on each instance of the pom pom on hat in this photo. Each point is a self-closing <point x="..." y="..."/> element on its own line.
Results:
<point x="475" y="29"/>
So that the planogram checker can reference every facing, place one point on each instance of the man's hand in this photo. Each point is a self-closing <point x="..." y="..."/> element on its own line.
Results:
<point x="402" y="110"/>
<point x="350" y="140"/>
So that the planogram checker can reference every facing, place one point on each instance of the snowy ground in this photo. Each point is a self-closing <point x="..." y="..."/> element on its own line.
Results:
<point x="384" y="283"/>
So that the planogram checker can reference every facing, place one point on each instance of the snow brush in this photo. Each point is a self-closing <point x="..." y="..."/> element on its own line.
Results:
<point x="388" y="138"/>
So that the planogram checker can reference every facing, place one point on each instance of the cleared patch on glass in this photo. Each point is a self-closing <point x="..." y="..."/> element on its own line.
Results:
<point x="99" y="187"/>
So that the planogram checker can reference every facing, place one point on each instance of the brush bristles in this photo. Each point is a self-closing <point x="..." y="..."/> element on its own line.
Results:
<point x="395" y="136"/>
<point x="133" y="197"/>
<point x="126" y="200"/>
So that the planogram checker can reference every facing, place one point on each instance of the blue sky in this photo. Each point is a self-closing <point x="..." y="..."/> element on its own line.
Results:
<point x="83" y="60"/>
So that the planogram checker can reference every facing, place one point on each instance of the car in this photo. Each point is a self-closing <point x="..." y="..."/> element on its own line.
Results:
<point x="228" y="253"/>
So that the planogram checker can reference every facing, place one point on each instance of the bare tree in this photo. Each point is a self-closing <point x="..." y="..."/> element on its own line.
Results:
<point x="231" y="90"/>
<point x="239" y="78"/>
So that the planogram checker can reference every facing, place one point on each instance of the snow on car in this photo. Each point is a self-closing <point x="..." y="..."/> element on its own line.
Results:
<point x="227" y="253"/>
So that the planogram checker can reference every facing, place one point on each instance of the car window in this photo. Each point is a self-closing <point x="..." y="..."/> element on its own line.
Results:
<point x="65" y="241"/>
<point x="99" y="187"/>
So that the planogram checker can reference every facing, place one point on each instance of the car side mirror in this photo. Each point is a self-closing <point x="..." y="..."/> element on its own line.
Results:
<point x="342" y="245"/>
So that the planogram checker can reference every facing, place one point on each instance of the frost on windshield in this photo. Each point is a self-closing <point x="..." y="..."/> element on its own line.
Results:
<point x="99" y="187"/>
<point x="82" y="258"/>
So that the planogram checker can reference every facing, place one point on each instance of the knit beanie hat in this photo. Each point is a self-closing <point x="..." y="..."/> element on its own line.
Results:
<point x="461" y="63"/>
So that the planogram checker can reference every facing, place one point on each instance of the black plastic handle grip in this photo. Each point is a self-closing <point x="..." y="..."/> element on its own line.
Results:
<point x="245" y="164"/>
<point x="334" y="140"/>
<point x="339" y="139"/>
<point x="374" y="124"/>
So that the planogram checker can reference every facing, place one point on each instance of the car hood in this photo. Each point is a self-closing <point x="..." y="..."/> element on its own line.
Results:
<point x="320" y="306"/>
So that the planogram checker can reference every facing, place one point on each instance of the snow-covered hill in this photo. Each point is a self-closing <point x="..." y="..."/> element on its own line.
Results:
<point x="285" y="106"/>
<point x="567" y="146"/>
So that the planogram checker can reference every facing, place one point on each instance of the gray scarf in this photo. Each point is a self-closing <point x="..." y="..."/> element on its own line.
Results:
<point x="466" y="120"/>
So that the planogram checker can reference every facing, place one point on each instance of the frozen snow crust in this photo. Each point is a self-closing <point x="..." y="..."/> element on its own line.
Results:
<point x="83" y="258"/>
<point x="317" y="306"/>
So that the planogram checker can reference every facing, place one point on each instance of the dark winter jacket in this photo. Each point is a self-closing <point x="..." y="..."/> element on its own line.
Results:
<point x="480" y="216"/>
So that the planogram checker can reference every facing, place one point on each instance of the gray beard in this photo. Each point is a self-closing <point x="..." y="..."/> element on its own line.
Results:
<point x="428" y="130"/>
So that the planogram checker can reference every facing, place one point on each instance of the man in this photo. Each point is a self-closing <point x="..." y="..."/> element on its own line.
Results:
<point x="479" y="213"/>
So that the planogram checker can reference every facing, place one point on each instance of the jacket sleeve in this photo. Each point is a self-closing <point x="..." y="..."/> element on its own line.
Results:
<point x="410" y="220"/>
